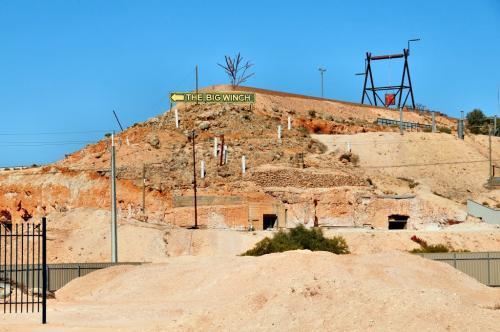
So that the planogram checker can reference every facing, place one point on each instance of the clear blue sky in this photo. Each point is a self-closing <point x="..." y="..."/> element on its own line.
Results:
<point x="65" y="65"/>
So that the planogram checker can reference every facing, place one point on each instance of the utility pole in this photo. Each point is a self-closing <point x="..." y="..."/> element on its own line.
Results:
<point x="196" y="70"/>
<point x="489" y="147"/>
<point x="221" y="149"/>
<point x="498" y="111"/>
<point x="143" y="189"/>
<point x="194" y="185"/>
<point x="114" y="242"/>
<point x="321" y="70"/>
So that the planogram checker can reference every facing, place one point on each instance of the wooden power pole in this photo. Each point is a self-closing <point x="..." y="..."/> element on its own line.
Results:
<point x="194" y="184"/>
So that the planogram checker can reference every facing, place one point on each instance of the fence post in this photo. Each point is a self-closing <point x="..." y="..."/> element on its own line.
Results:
<point x="44" y="269"/>
<point x="401" y="120"/>
<point x="79" y="274"/>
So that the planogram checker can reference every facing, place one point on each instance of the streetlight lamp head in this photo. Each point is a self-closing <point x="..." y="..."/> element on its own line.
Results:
<point x="412" y="40"/>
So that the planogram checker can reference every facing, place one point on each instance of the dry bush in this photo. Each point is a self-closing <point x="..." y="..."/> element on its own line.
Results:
<point x="349" y="157"/>
<point x="312" y="113"/>
<point x="315" y="146"/>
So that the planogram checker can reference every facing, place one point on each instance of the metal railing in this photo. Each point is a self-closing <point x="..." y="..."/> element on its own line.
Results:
<point x="406" y="125"/>
<point x="23" y="287"/>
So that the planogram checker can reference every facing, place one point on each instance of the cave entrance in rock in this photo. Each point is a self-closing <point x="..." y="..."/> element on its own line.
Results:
<point x="269" y="221"/>
<point x="398" y="221"/>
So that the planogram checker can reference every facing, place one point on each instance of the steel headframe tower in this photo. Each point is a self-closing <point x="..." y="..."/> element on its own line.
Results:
<point x="401" y="89"/>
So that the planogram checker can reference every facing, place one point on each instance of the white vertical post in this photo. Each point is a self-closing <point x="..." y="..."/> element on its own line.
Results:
<point x="225" y="154"/>
<point x="176" y="118"/>
<point x="202" y="165"/>
<point x="348" y="146"/>
<point x="243" y="164"/>
<point x="433" y="121"/>
<point x="279" y="133"/>
<point x="289" y="123"/>
<point x="215" y="147"/>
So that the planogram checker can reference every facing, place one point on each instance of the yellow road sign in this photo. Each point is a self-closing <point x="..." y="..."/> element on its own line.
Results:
<point x="177" y="97"/>
<point x="213" y="97"/>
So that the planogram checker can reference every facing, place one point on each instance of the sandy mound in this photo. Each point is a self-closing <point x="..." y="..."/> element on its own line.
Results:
<point x="291" y="291"/>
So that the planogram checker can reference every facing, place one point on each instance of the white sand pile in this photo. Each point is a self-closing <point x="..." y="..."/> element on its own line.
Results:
<point x="297" y="290"/>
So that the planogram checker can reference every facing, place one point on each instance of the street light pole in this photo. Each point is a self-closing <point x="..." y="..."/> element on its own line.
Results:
<point x="412" y="40"/>
<point x="489" y="150"/>
<point x="321" y="70"/>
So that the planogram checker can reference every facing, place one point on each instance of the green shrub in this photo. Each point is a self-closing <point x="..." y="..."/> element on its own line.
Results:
<point x="436" y="248"/>
<point x="303" y="130"/>
<point x="476" y="121"/>
<point x="444" y="130"/>
<point x="432" y="248"/>
<point x="299" y="238"/>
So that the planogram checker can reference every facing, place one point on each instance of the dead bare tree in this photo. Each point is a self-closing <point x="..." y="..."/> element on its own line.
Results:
<point x="236" y="70"/>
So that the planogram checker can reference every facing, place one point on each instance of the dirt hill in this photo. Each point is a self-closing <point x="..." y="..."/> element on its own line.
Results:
<point x="293" y="291"/>
<point x="308" y="177"/>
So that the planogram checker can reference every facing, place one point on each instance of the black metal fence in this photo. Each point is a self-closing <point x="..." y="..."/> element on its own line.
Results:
<point x="23" y="265"/>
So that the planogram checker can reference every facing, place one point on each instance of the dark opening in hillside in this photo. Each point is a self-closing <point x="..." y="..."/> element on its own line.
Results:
<point x="269" y="221"/>
<point x="398" y="221"/>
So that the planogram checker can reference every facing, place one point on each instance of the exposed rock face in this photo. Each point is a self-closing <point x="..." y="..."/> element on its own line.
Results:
<point x="283" y="177"/>
<point x="205" y="125"/>
<point x="154" y="141"/>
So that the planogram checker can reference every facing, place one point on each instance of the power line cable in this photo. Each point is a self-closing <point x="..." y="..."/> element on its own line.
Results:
<point x="54" y="133"/>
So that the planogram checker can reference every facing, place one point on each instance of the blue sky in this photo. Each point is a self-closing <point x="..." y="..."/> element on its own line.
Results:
<point x="65" y="65"/>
